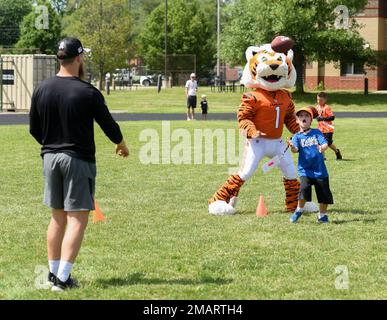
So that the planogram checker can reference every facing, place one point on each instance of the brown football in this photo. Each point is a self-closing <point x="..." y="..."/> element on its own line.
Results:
<point x="314" y="111"/>
<point x="282" y="44"/>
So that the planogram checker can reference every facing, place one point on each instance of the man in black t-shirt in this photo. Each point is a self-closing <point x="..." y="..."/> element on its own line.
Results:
<point x="63" y="110"/>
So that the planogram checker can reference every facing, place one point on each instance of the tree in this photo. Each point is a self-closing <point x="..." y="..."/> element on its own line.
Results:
<point x="11" y="15"/>
<point x="59" y="5"/>
<point x="189" y="32"/>
<point x="146" y="6"/>
<point x="311" y="23"/>
<point x="104" y="27"/>
<point x="139" y="11"/>
<point x="40" y="29"/>
<point x="65" y="6"/>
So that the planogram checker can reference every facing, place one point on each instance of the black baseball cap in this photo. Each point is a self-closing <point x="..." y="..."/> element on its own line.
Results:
<point x="69" y="48"/>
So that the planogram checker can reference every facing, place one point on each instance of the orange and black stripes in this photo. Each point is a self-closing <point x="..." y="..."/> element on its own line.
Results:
<point x="246" y="114"/>
<point x="292" y="189"/>
<point x="290" y="65"/>
<point x="253" y="63"/>
<point x="228" y="190"/>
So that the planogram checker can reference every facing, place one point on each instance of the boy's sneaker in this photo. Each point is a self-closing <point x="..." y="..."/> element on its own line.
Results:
<point x="338" y="155"/>
<point x="61" y="286"/>
<point x="323" y="219"/>
<point x="51" y="279"/>
<point x="295" y="216"/>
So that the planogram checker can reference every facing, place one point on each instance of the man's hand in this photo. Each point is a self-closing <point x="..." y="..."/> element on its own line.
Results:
<point x="122" y="150"/>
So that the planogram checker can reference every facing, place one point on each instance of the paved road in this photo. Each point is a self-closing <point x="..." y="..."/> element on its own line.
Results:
<point x="22" y="118"/>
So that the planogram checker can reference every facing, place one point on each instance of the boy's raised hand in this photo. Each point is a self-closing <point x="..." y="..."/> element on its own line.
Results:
<point x="289" y="142"/>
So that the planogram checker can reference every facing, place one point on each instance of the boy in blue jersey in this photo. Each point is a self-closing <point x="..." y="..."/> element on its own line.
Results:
<point x="310" y="145"/>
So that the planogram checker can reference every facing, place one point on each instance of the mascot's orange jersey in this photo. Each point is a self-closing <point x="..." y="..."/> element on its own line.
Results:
<point x="267" y="112"/>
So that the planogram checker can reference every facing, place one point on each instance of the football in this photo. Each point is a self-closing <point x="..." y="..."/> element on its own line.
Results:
<point x="282" y="44"/>
<point x="314" y="110"/>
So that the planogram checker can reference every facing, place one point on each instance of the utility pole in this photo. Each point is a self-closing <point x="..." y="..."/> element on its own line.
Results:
<point x="130" y="40"/>
<point x="101" y="66"/>
<point x="1" y="83"/>
<point x="166" y="41"/>
<point x="218" y="42"/>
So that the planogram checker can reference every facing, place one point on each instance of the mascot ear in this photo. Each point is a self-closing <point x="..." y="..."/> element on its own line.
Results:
<point x="290" y="55"/>
<point x="251" y="52"/>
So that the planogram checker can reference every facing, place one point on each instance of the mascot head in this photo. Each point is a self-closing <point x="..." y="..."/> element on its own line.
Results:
<point x="267" y="69"/>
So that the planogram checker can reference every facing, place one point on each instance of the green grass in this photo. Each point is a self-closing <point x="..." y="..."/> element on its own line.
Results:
<point x="174" y="101"/>
<point x="160" y="243"/>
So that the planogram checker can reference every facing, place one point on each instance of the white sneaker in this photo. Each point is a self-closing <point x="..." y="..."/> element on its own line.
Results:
<point x="221" y="208"/>
<point x="233" y="202"/>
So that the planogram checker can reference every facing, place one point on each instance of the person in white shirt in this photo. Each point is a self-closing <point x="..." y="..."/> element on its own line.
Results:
<point x="191" y="88"/>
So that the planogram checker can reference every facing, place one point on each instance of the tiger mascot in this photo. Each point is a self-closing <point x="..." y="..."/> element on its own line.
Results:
<point x="261" y="117"/>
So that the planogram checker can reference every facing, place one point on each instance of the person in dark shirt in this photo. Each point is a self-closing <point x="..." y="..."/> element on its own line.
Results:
<point x="63" y="110"/>
<point x="204" y="106"/>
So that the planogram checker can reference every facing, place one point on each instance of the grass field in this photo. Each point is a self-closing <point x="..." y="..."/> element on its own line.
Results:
<point x="174" y="101"/>
<point x="160" y="243"/>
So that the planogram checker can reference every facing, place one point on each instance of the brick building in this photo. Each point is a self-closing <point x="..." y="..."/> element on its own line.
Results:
<point x="347" y="75"/>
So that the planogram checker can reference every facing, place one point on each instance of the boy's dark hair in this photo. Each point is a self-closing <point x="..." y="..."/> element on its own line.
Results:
<point x="322" y="95"/>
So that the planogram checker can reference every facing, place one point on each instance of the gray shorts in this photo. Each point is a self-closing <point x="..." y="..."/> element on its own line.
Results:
<point x="69" y="182"/>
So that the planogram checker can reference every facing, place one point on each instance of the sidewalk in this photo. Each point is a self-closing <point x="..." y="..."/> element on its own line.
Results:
<point x="23" y="118"/>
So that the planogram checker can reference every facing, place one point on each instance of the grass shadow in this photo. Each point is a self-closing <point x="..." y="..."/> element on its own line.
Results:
<point x="353" y="220"/>
<point x="140" y="278"/>
<point x="354" y="211"/>
<point x="245" y="212"/>
<point x="342" y="160"/>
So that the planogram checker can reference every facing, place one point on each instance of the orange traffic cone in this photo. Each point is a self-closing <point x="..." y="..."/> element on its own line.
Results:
<point x="261" y="209"/>
<point x="97" y="213"/>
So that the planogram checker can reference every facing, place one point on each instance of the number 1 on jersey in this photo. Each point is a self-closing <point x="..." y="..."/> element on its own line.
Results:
<point x="278" y="117"/>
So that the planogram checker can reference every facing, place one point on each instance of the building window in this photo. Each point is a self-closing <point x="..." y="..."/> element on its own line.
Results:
<point x="350" y="68"/>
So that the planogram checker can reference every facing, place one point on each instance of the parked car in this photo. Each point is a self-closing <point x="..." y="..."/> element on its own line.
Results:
<point x="125" y="77"/>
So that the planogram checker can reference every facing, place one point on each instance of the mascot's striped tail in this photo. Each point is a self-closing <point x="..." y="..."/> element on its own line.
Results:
<point x="228" y="190"/>
<point x="292" y="189"/>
